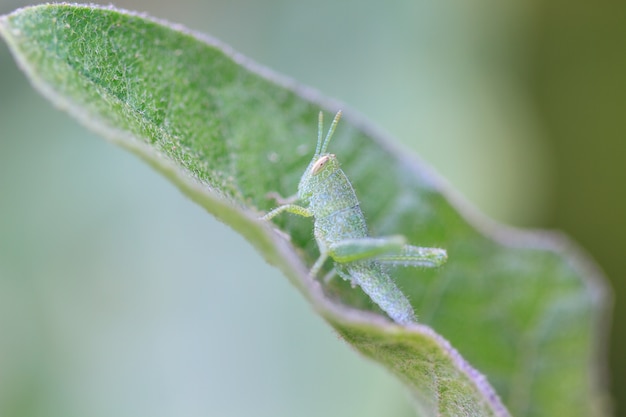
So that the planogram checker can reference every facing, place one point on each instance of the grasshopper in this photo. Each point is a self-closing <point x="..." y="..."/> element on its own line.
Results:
<point x="341" y="233"/>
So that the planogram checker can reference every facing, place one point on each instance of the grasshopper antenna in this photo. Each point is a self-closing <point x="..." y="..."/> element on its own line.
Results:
<point x="320" y="126"/>
<point x="329" y="135"/>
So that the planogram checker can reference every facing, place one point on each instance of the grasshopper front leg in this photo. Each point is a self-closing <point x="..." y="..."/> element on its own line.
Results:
<point x="291" y="208"/>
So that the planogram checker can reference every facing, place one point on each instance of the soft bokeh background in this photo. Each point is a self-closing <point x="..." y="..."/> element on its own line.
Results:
<point x="118" y="296"/>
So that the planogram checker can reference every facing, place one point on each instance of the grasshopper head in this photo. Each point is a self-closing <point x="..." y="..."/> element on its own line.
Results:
<point x="316" y="173"/>
<point x="322" y="165"/>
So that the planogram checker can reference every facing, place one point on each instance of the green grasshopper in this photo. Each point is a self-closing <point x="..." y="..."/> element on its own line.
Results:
<point x="341" y="233"/>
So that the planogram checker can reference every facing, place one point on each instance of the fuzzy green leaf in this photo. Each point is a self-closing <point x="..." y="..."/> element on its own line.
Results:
<point x="521" y="308"/>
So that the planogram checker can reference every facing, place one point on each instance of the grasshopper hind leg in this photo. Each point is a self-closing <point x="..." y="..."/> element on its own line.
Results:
<point x="414" y="256"/>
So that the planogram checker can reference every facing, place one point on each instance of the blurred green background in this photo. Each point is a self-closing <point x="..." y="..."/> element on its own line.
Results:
<point x="120" y="297"/>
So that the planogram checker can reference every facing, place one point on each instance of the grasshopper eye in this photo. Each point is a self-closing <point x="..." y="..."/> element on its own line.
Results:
<point x="319" y="164"/>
